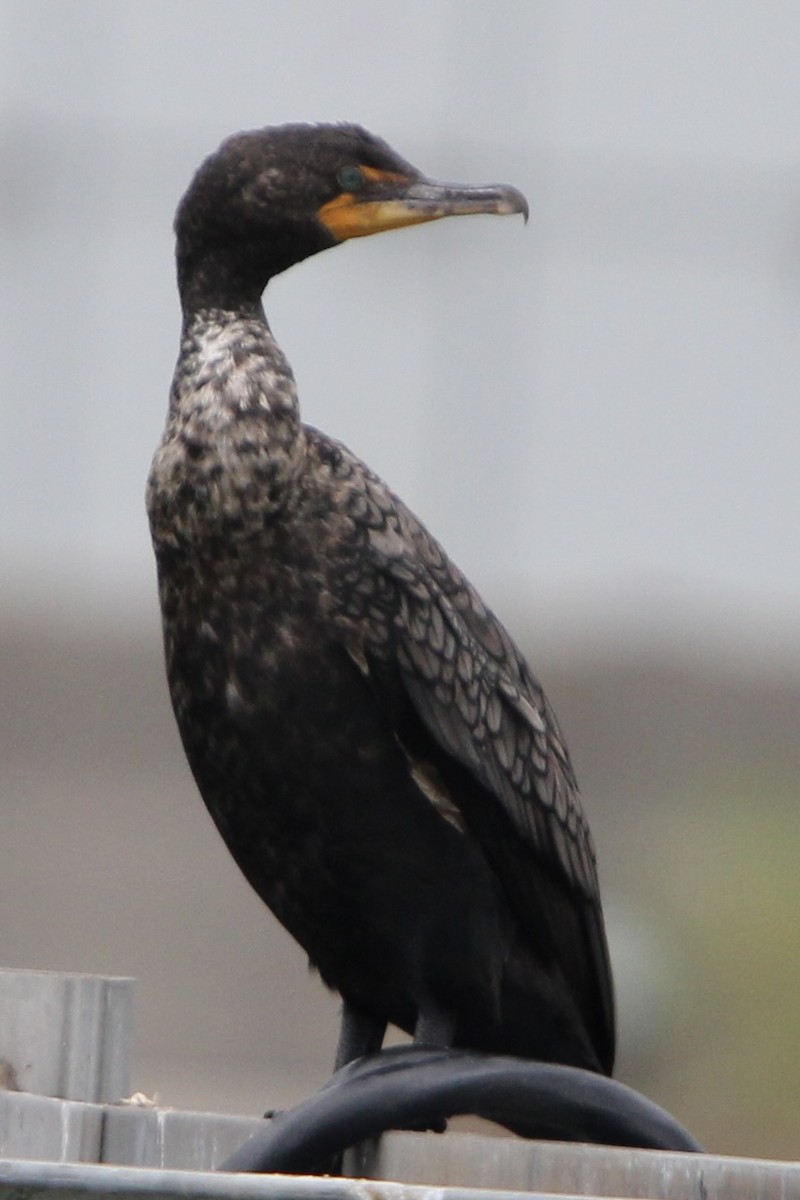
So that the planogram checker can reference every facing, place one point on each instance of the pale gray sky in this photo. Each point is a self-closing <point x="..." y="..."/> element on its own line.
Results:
<point x="597" y="414"/>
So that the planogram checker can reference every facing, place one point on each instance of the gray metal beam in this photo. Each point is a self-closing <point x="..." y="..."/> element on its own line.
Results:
<point x="78" y="1181"/>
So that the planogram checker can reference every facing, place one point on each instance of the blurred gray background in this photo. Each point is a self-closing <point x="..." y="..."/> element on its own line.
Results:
<point x="597" y="414"/>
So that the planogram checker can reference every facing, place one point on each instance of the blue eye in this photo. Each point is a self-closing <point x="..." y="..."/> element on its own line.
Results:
<point x="351" y="179"/>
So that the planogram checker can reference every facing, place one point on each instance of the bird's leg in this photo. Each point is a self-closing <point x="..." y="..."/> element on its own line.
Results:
<point x="359" y="1033"/>
<point x="434" y="1027"/>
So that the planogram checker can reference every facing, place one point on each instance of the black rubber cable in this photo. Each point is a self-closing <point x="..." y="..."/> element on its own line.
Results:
<point x="411" y="1087"/>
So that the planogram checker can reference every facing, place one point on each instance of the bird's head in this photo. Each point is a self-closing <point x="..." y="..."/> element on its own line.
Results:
<point x="271" y="197"/>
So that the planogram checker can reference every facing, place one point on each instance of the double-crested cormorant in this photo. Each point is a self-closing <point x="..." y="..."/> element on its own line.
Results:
<point x="384" y="767"/>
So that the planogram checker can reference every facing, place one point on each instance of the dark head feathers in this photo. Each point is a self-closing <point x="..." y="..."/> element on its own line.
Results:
<point x="273" y="197"/>
<point x="278" y="173"/>
<point x="252" y="207"/>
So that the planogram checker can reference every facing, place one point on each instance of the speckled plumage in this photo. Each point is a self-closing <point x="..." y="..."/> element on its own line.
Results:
<point x="370" y="742"/>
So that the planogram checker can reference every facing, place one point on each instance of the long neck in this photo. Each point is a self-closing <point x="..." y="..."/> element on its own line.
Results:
<point x="223" y="281"/>
<point x="233" y="445"/>
<point x="232" y="274"/>
<point x="230" y="366"/>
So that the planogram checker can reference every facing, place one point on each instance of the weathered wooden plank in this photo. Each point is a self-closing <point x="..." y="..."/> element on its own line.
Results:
<point x="513" y="1164"/>
<point x="66" y="1035"/>
<point x="40" y="1127"/>
<point x="51" y="1130"/>
<point x="44" y="1128"/>
<point x="158" y="1137"/>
